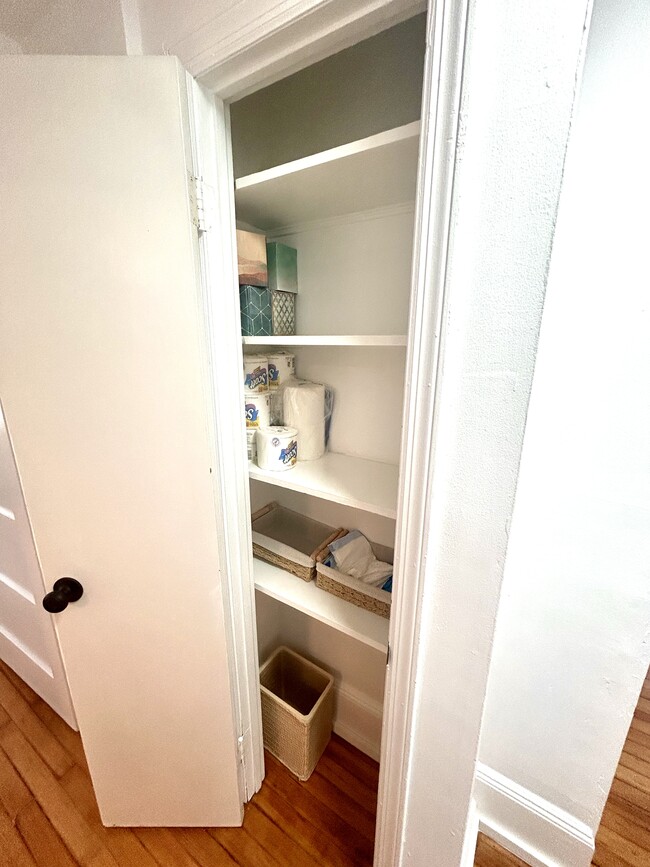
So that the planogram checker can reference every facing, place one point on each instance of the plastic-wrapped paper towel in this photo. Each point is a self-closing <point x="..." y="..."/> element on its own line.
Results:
<point x="304" y="408"/>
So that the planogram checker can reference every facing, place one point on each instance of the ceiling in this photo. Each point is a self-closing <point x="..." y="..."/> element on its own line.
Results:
<point x="61" y="27"/>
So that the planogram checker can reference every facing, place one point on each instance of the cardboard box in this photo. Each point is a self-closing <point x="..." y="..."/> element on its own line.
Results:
<point x="251" y="259"/>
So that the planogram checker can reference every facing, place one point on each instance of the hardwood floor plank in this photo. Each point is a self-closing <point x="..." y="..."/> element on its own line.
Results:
<point x="320" y="846"/>
<point x="54" y="802"/>
<point x="641" y="738"/>
<point x="41" y="839"/>
<point x="12" y="846"/>
<point x="640" y="750"/>
<point x="626" y="850"/>
<point x="22" y="714"/>
<point x="103" y="858"/>
<point x="606" y="857"/>
<point x="326" y="819"/>
<point x="347" y="782"/>
<point x="361" y="765"/>
<point x="164" y="847"/>
<point x="491" y="854"/>
<point x="14" y="794"/>
<point x="630" y="794"/>
<point x="639" y="765"/>
<point x="26" y="691"/>
<point x="69" y="739"/>
<point x="631" y="827"/>
<point x="634" y="778"/>
<point x="644" y="704"/>
<point x="122" y="843"/>
<point x="4" y="717"/>
<point x="274" y="839"/>
<point x="640" y="725"/>
<point x="243" y="848"/>
<point x="354" y="814"/>
<point x="634" y="811"/>
<point x="203" y="848"/>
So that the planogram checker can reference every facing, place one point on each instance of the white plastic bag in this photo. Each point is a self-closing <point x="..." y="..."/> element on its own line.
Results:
<point x="354" y="556"/>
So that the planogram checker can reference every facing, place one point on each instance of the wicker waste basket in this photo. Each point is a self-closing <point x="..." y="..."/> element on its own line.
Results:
<point x="297" y="710"/>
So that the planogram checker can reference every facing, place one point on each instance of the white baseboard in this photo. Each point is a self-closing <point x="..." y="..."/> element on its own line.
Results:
<point x="357" y="719"/>
<point x="538" y="832"/>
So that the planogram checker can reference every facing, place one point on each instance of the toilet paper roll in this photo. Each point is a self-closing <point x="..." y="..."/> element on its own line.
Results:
<point x="277" y="448"/>
<point x="257" y="410"/>
<point x="304" y="409"/>
<point x="256" y="374"/>
<point x="282" y="367"/>
<point x="251" y="445"/>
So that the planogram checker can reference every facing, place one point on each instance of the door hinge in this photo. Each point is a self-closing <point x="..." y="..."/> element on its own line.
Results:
<point x="202" y="204"/>
<point x="387" y="654"/>
<point x="242" y="767"/>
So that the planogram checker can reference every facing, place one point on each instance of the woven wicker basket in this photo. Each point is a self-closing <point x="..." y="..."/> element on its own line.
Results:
<point x="352" y="589"/>
<point x="290" y="540"/>
<point x="297" y="710"/>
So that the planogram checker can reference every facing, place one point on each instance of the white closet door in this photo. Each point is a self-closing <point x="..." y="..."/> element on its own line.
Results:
<point x="28" y="642"/>
<point x="103" y="383"/>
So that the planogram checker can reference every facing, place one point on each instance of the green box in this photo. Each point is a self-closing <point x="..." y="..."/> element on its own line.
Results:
<point x="282" y="264"/>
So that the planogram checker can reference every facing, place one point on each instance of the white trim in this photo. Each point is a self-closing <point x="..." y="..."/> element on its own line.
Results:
<point x="342" y="220"/>
<point x="439" y="133"/>
<point x="213" y="163"/>
<point x="538" y="832"/>
<point x="471" y="837"/>
<point x="238" y="52"/>
<point x="132" y="29"/>
<point x="358" y="720"/>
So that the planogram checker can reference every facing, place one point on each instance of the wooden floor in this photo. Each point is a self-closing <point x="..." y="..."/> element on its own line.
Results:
<point x="48" y="814"/>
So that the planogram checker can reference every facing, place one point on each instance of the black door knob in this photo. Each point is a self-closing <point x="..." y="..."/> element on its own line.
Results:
<point x="65" y="590"/>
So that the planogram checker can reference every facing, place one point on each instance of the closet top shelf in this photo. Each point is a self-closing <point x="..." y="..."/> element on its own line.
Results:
<point x="373" y="172"/>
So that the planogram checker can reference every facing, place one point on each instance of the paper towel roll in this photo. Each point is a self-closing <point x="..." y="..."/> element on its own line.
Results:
<point x="304" y="408"/>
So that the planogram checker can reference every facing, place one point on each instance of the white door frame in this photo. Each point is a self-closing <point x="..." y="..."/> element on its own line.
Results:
<point x="433" y="215"/>
<point x="415" y="821"/>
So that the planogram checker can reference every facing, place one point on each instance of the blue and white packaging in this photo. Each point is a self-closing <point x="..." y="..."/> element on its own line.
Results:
<point x="256" y="374"/>
<point x="257" y="410"/>
<point x="277" y="448"/>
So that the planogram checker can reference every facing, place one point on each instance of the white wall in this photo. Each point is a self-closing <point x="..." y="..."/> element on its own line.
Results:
<point x="305" y="113"/>
<point x="572" y="645"/>
<point x="62" y="27"/>
<point x="518" y="83"/>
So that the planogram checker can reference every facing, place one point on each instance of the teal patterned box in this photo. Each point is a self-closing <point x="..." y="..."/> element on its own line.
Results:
<point x="255" y="305"/>
<point x="283" y="283"/>
<point x="282" y="267"/>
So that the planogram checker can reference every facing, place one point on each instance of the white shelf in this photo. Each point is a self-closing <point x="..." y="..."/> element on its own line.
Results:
<point x="374" y="172"/>
<point x="329" y="340"/>
<point x="305" y="596"/>
<point x="357" y="482"/>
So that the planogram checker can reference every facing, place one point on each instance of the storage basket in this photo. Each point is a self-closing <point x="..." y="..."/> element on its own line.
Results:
<point x="297" y="710"/>
<point x="290" y="540"/>
<point x="353" y="589"/>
